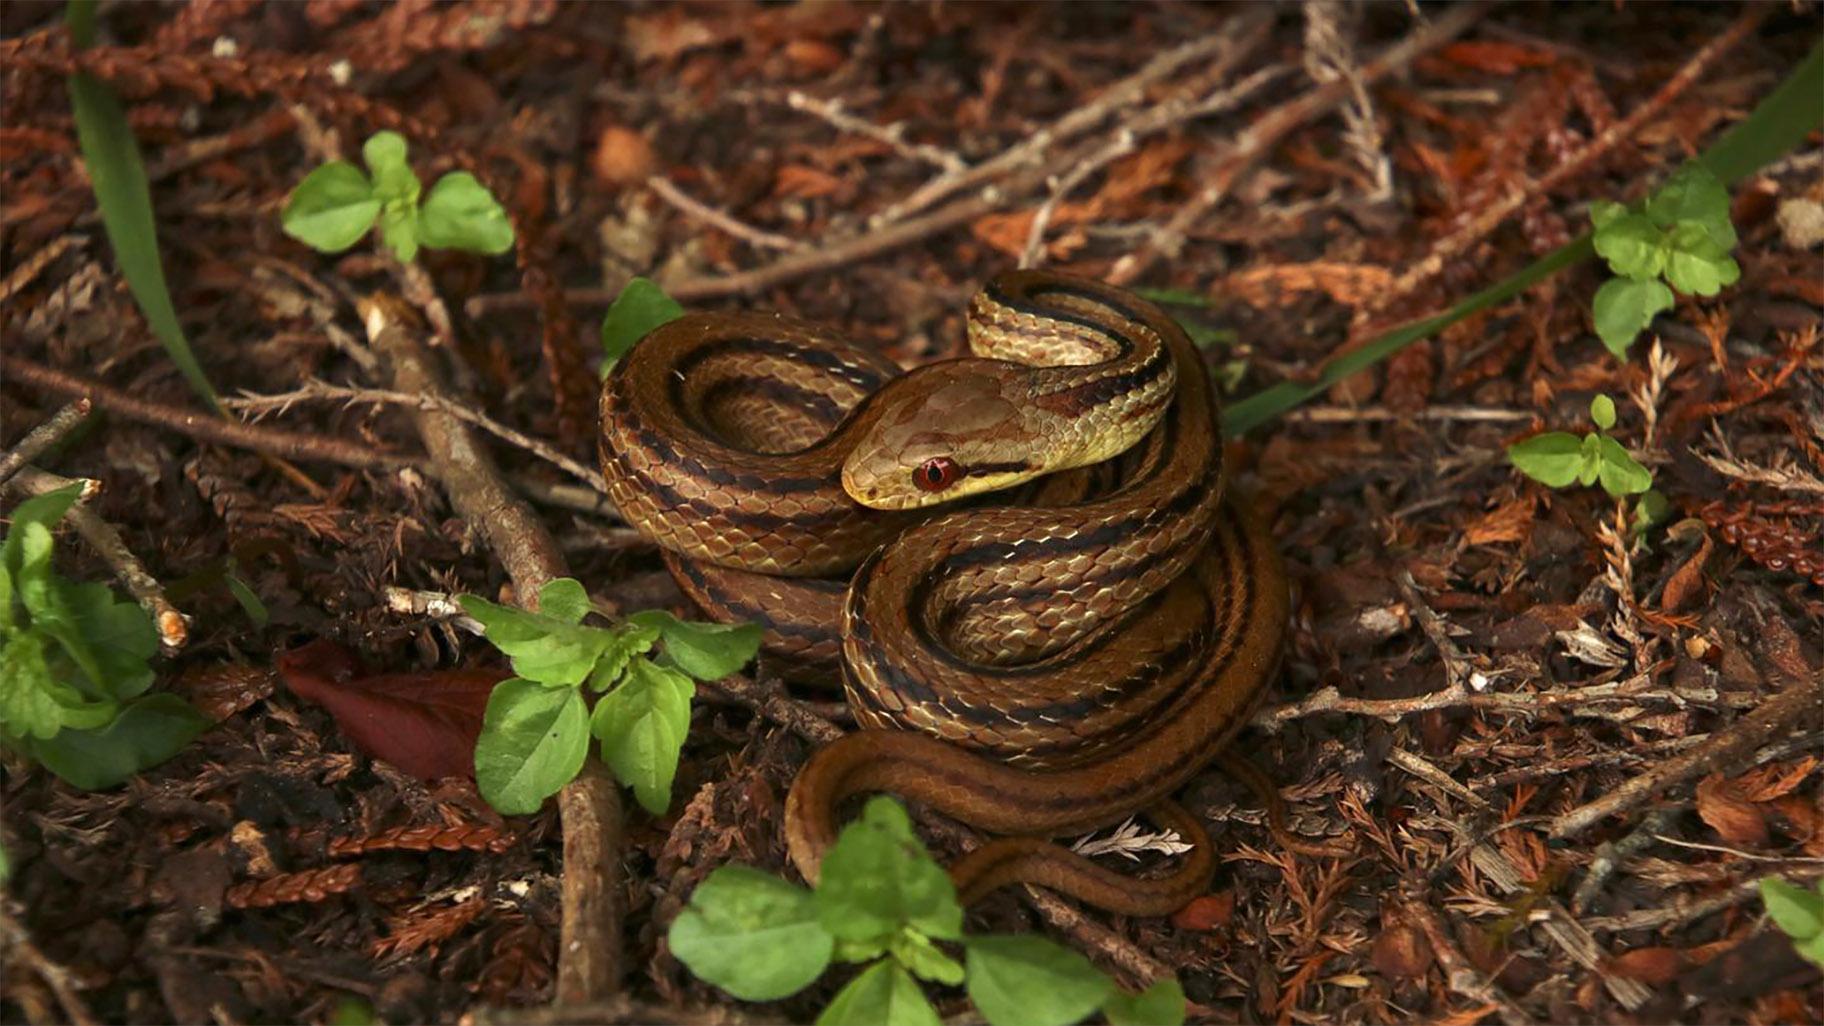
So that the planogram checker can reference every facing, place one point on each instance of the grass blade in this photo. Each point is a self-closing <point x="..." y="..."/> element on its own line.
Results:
<point x="124" y="195"/>
<point x="1780" y="122"/>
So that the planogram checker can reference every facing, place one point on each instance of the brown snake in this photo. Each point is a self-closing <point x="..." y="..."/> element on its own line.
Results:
<point x="1033" y="669"/>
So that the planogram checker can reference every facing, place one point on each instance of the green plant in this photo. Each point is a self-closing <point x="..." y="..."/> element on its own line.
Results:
<point x="536" y="731"/>
<point x="1556" y="458"/>
<point x="1681" y="234"/>
<point x="1800" y="913"/>
<point x="124" y="196"/>
<point x="335" y="205"/>
<point x="640" y="307"/>
<point x="883" y="900"/>
<point x="74" y="664"/>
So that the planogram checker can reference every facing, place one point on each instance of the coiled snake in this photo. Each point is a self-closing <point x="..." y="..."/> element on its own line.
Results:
<point x="1034" y="669"/>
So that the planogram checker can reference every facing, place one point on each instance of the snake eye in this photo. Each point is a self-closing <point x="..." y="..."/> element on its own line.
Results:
<point x="936" y="474"/>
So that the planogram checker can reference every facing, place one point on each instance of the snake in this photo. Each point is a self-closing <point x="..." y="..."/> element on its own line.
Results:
<point x="1045" y="612"/>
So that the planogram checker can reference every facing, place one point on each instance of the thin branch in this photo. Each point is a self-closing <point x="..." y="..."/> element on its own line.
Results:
<point x="203" y="426"/>
<point x="43" y="437"/>
<point x="893" y="135"/>
<point x="692" y="207"/>
<point x="173" y="627"/>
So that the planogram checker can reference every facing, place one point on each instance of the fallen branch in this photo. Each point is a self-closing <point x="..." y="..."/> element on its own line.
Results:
<point x="173" y="627"/>
<point x="42" y="437"/>
<point x="202" y="425"/>
<point x="589" y="945"/>
<point x="1798" y="708"/>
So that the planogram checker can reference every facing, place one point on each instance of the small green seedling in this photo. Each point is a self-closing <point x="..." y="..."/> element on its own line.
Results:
<point x="74" y="665"/>
<point x="335" y="205"/>
<point x="1800" y="913"/>
<point x="1556" y="458"/>
<point x="1683" y="236"/>
<point x="537" y="727"/>
<point x="882" y="899"/>
<point x="641" y="307"/>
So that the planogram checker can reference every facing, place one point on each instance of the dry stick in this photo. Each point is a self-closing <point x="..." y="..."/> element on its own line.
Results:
<point x="589" y="946"/>
<point x="1797" y="709"/>
<point x="893" y="135"/>
<point x="43" y="437"/>
<point x="29" y="268"/>
<point x="173" y="628"/>
<point x="1141" y="968"/>
<point x="16" y="944"/>
<point x="1681" y="913"/>
<point x="323" y="390"/>
<point x="906" y="232"/>
<point x="1269" y="131"/>
<point x="1331" y="700"/>
<point x="1130" y="90"/>
<point x="1459" y="975"/>
<point x="204" y="426"/>
<point x="690" y="206"/>
<point x="613" y="1011"/>
<point x="1500" y="210"/>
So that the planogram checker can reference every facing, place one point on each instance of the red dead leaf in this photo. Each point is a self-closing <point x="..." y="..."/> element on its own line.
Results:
<point x="1210" y="912"/>
<point x="1687" y="582"/>
<point x="1657" y="966"/>
<point x="1735" y="819"/>
<point x="1401" y="951"/>
<point x="1508" y="522"/>
<point x="1496" y="57"/>
<point x="424" y="723"/>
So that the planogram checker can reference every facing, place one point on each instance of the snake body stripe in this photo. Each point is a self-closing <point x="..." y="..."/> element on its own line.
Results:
<point x="1033" y="668"/>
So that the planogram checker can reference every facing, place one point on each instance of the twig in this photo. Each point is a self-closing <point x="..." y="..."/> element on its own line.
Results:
<point x="1496" y="212"/>
<point x="33" y="265"/>
<point x="19" y="950"/>
<point x="611" y="1011"/>
<point x="1330" y="699"/>
<point x="1455" y="672"/>
<point x="43" y="437"/>
<point x="589" y="944"/>
<point x="1122" y="145"/>
<point x="769" y="702"/>
<point x="693" y="207"/>
<point x="323" y="390"/>
<point x="1681" y="912"/>
<point x="173" y="628"/>
<point x="893" y="135"/>
<point x="201" y="425"/>
<point x="1459" y="975"/>
<point x="1130" y="90"/>
<point x="1141" y="969"/>
<point x="1260" y="138"/>
<point x="1800" y="707"/>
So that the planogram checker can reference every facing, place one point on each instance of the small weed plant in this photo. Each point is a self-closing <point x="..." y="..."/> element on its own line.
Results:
<point x="1798" y="911"/>
<point x="337" y="204"/>
<point x="1557" y="458"/>
<point x="1681" y="237"/>
<point x="535" y="733"/>
<point x="882" y="900"/>
<point x="75" y="664"/>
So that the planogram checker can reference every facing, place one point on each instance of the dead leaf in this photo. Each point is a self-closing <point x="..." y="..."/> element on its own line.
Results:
<point x="804" y="182"/>
<point x="1401" y="951"/>
<point x="1687" y="582"/>
<point x="1506" y="523"/>
<point x="1776" y="780"/>
<point x="1209" y="912"/>
<point x="1657" y="966"/>
<point x="622" y="157"/>
<point x="1495" y="57"/>
<point x="1737" y="821"/>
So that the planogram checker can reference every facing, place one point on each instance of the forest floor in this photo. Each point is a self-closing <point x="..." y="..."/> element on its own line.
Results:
<point x="1560" y="743"/>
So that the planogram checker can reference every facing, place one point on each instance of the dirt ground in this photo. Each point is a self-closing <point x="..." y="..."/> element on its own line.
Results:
<point x="1559" y="751"/>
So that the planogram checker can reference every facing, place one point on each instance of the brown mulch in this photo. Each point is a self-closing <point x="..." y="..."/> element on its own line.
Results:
<point x="1475" y="659"/>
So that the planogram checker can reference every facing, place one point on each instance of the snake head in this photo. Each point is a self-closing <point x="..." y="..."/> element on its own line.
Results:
<point x="940" y="433"/>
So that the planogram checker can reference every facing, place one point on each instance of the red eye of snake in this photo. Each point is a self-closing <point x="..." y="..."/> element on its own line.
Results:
<point x="936" y="474"/>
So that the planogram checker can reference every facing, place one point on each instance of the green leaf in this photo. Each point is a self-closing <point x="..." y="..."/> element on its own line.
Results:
<point x="1693" y="196"/>
<point x="752" y="934"/>
<point x="1623" y="307"/>
<point x="1633" y="246"/>
<point x="394" y="180"/>
<point x="552" y="650"/>
<point x="1696" y="264"/>
<point x="916" y="952"/>
<point x="642" y="725"/>
<point x="1602" y="412"/>
<point x="31" y="701"/>
<point x="460" y="213"/>
<point x="1552" y="459"/>
<point x="1605" y="212"/>
<point x="1799" y="911"/>
<point x="1652" y="508"/>
<point x="399" y="230"/>
<point x="706" y="651"/>
<point x="1032" y="981"/>
<point x="862" y="950"/>
<point x="117" y="637"/>
<point x="118" y="176"/>
<point x="565" y="599"/>
<point x="249" y="600"/>
<point x="1175" y="297"/>
<point x="641" y="307"/>
<point x="1591" y="451"/>
<point x="1161" y="1004"/>
<point x="148" y="731"/>
<point x="878" y="877"/>
<point x="1618" y="471"/>
<point x="533" y="741"/>
<point x="332" y="208"/>
<point x="883" y="995"/>
<point x="1811" y="949"/>
<point x="630" y="639"/>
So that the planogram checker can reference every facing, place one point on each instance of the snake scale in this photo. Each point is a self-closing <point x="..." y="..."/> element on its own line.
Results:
<point x="1044" y="613"/>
